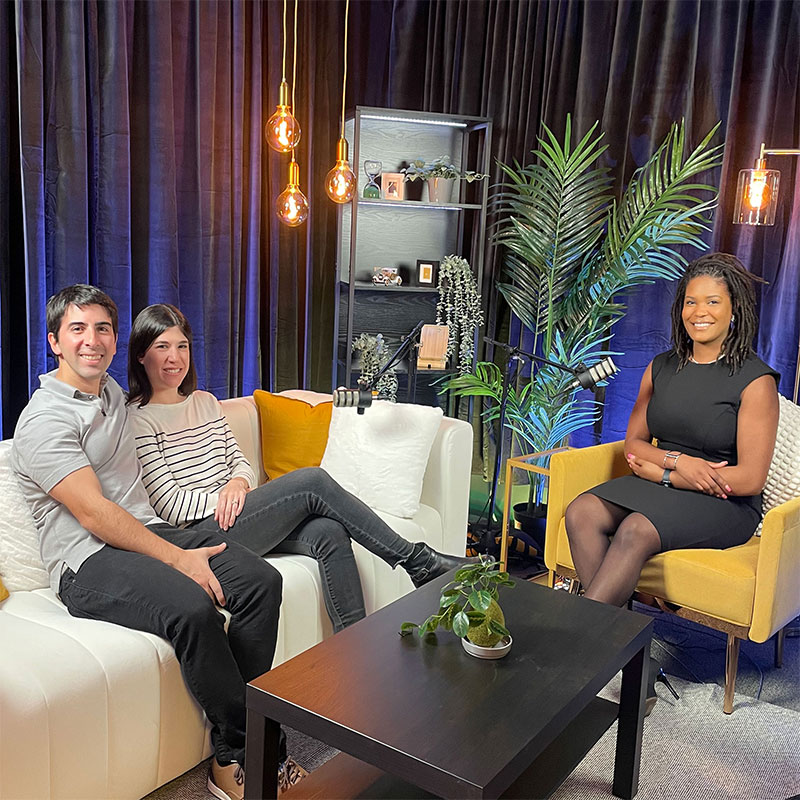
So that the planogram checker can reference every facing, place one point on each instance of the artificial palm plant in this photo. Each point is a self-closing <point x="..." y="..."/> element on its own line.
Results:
<point x="572" y="246"/>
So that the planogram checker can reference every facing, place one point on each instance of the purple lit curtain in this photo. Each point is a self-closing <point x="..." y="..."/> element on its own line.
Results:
<point x="138" y="136"/>
<point x="132" y="156"/>
<point x="142" y="168"/>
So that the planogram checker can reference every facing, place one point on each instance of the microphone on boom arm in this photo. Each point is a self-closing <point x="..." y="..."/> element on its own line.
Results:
<point x="349" y="398"/>
<point x="363" y="397"/>
<point x="584" y="378"/>
<point x="589" y="377"/>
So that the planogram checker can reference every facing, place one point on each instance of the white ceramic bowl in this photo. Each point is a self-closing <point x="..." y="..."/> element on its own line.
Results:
<point x="498" y="651"/>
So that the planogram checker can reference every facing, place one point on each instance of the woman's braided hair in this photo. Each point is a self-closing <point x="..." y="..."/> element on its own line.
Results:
<point x="737" y="345"/>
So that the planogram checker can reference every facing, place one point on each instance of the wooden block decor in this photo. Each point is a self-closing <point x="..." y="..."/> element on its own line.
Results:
<point x="433" y="347"/>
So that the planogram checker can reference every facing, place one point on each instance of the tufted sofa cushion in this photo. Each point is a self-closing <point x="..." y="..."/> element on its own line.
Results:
<point x="21" y="565"/>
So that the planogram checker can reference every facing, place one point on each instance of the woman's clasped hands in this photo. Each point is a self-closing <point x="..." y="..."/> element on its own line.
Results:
<point x="690" y="472"/>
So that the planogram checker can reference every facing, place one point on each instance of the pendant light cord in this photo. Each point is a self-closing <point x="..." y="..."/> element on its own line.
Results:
<point x="294" y="63"/>
<point x="344" y="73"/>
<point x="283" y="59"/>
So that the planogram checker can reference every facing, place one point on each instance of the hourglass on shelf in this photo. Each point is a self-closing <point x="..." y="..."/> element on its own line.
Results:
<point x="372" y="169"/>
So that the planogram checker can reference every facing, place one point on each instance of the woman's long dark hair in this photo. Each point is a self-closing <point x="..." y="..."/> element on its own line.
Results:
<point x="147" y="327"/>
<point x="737" y="345"/>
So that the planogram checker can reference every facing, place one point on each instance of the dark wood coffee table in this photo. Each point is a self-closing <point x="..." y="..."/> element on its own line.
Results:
<point x="421" y="718"/>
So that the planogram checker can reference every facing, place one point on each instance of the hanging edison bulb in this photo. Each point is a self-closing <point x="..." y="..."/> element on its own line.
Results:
<point x="340" y="182"/>
<point x="292" y="205"/>
<point x="283" y="129"/>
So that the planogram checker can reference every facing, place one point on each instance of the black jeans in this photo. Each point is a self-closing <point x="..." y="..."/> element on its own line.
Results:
<point x="142" y="593"/>
<point x="308" y="512"/>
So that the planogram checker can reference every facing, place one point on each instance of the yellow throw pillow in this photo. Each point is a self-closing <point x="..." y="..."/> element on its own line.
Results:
<point x="293" y="433"/>
<point x="3" y="592"/>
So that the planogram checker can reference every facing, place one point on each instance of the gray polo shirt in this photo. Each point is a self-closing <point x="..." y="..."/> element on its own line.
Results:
<point x="60" y="431"/>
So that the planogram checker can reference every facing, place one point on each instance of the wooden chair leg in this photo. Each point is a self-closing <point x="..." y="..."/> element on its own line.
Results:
<point x="731" y="665"/>
<point x="779" y="637"/>
<point x="574" y="586"/>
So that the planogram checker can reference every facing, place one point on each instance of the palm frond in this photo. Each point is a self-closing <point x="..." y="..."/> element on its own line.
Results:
<point x="552" y="212"/>
<point x="571" y="248"/>
<point x="659" y="213"/>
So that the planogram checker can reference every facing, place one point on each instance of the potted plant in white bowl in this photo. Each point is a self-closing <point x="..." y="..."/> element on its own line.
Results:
<point x="440" y="175"/>
<point x="469" y="608"/>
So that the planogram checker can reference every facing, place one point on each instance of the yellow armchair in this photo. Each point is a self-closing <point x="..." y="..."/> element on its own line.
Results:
<point x="750" y="591"/>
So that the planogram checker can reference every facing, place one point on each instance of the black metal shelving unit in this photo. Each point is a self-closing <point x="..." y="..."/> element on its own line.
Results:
<point x="397" y="233"/>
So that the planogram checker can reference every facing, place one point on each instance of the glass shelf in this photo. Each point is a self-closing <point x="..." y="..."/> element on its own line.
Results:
<point x="363" y="201"/>
<point x="368" y="286"/>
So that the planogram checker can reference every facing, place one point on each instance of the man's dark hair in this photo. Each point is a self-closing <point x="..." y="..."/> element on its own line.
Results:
<point x="81" y="295"/>
<point x="740" y="283"/>
<point x="147" y="327"/>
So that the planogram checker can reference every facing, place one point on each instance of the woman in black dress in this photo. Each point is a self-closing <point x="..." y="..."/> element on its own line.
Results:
<point x="712" y="404"/>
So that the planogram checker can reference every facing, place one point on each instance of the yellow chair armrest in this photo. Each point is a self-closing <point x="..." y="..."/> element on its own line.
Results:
<point x="573" y="472"/>
<point x="777" y="593"/>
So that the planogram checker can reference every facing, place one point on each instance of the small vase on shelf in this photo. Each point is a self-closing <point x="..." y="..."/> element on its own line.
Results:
<point x="440" y="190"/>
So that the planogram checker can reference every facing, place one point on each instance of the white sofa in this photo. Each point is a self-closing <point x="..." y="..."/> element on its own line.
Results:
<point x="93" y="710"/>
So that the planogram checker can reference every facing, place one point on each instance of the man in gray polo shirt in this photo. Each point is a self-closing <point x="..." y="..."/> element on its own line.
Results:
<point x="111" y="558"/>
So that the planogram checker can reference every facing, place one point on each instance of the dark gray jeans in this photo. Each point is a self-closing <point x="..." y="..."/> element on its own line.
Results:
<point x="309" y="513"/>
<point x="145" y="594"/>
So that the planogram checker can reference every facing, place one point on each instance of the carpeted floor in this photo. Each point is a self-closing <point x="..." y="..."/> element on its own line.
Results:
<point x="691" y="750"/>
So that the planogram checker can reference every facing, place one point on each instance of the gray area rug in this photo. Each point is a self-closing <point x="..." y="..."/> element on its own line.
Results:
<point x="691" y="751"/>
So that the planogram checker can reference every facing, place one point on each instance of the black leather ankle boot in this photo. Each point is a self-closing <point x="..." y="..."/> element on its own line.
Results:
<point x="424" y="564"/>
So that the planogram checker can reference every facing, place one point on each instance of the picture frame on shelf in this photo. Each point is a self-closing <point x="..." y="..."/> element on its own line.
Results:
<point x="392" y="185"/>
<point x="426" y="272"/>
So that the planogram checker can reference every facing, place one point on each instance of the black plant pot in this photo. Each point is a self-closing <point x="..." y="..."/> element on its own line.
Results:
<point x="413" y="190"/>
<point x="532" y="522"/>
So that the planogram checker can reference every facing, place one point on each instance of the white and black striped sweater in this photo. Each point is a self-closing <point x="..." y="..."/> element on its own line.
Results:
<point x="188" y="453"/>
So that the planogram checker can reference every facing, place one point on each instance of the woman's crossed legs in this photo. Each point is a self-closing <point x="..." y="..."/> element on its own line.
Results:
<point x="608" y="567"/>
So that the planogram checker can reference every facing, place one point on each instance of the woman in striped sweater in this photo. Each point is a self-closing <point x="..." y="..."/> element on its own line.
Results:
<point x="196" y="474"/>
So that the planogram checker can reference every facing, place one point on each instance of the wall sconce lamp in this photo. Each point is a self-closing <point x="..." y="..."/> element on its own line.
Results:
<point x="757" y="189"/>
<point x="756" y="201"/>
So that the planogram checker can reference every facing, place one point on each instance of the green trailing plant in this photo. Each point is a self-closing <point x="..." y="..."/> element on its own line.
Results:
<point x="572" y="246"/>
<point x="459" y="307"/>
<point x="374" y="355"/>
<point x="440" y="167"/>
<point x="468" y="605"/>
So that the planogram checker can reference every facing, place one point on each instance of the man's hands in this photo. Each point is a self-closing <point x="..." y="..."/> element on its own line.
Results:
<point x="194" y="564"/>
<point x="231" y="502"/>
<point x="692" y="473"/>
<point x="80" y="492"/>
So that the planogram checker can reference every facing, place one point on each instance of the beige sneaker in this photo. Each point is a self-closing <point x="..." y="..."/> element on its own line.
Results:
<point x="290" y="774"/>
<point x="226" y="783"/>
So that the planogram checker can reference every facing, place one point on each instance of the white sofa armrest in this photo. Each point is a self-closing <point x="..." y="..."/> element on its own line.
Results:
<point x="242" y="416"/>
<point x="445" y="486"/>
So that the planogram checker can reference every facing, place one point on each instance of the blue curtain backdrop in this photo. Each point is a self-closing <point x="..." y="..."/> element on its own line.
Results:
<point x="133" y="158"/>
<point x="137" y="129"/>
<point x="132" y="154"/>
<point x="636" y="66"/>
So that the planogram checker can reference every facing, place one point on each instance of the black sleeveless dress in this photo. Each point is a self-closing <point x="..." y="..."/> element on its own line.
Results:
<point x="693" y="410"/>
